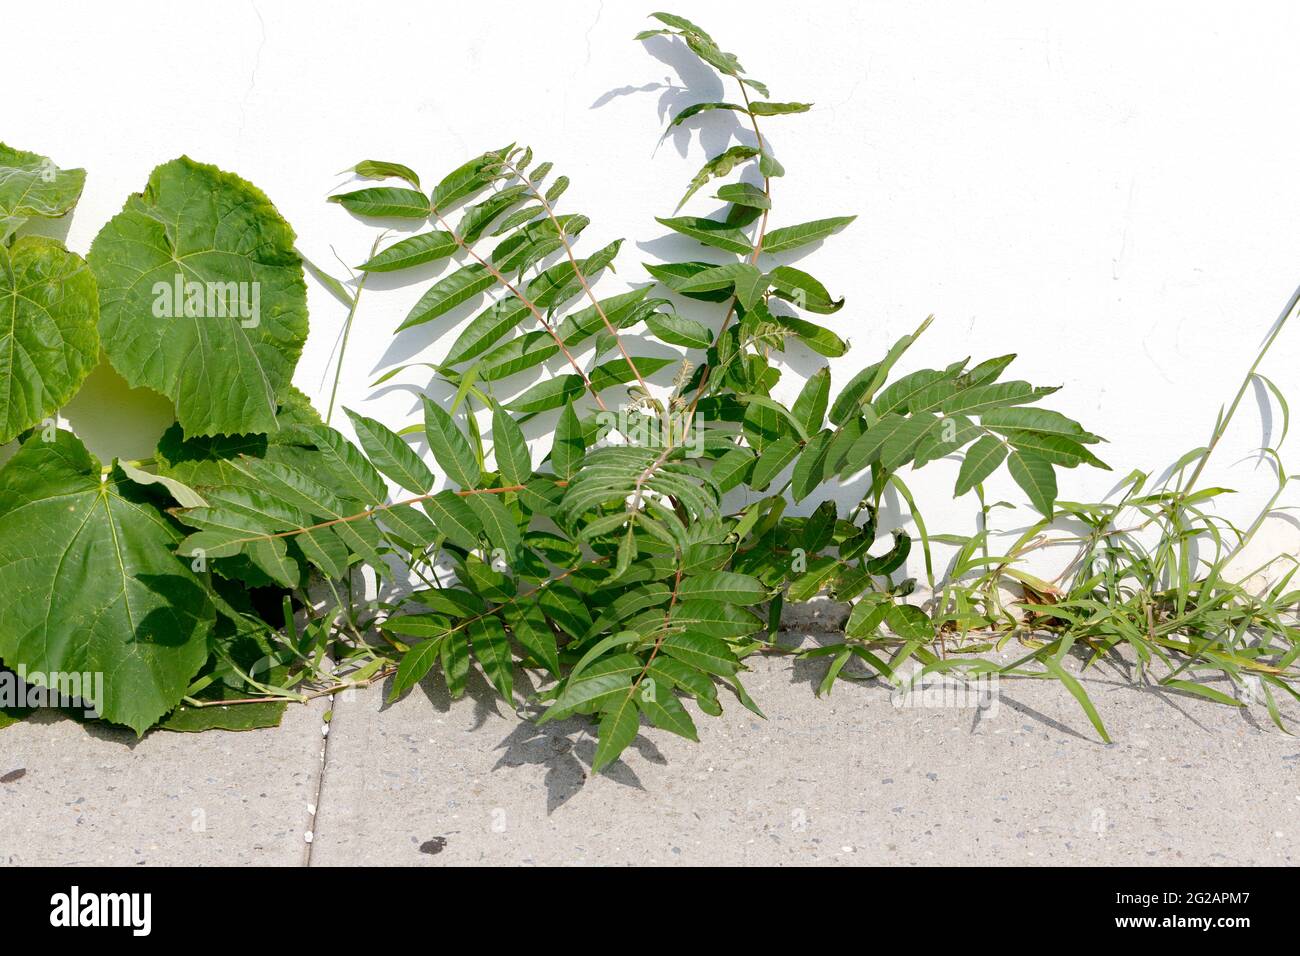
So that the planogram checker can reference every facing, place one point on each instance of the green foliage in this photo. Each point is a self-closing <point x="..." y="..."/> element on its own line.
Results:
<point x="202" y="297"/>
<point x="49" y="337"/>
<point x="223" y="578"/>
<point x="92" y="582"/>
<point x="617" y="563"/>
<point x="32" y="186"/>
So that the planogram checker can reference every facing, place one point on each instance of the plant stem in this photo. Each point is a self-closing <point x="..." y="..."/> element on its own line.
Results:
<point x="1222" y="425"/>
<point x="347" y="330"/>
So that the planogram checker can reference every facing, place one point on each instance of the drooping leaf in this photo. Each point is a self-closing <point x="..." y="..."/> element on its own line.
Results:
<point x="31" y="185"/>
<point x="802" y="290"/>
<point x="663" y="708"/>
<point x="1036" y="478"/>
<point x="381" y="169"/>
<point x="981" y="460"/>
<point x="695" y="109"/>
<point x="414" y="665"/>
<point x="719" y="165"/>
<point x="49" y="335"/>
<point x="618" y="728"/>
<point x="492" y="651"/>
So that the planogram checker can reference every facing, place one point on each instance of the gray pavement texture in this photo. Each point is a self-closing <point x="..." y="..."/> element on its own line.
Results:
<point x="846" y="780"/>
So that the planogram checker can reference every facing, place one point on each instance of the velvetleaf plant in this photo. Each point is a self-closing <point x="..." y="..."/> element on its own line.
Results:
<point x="219" y="580"/>
<point x="100" y="574"/>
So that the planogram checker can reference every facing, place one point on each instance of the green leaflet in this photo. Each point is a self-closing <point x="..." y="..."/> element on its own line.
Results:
<point x="513" y="458"/>
<point x="187" y="719"/>
<point x="385" y="202"/>
<point x="981" y="460"/>
<point x="706" y="653"/>
<point x="720" y="165"/>
<point x="744" y="194"/>
<point x="466" y="180"/>
<point x="723" y="586"/>
<point x="809" y="408"/>
<point x="663" y="708"/>
<point x="1035" y="477"/>
<point x="391" y="454"/>
<point x="415" y="664"/>
<point x="678" y="330"/>
<point x="93" y="583"/>
<point x="773" y="460"/>
<point x="569" y="447"/>
<point x="49" y="336"/>
<point x="455" y="519"/>
<point x="492" y="651"/>
<point x="792" y="237"/>
<point x="618" y="728"/>
<point x="450" y="447"/>
<point x="695" y="109"/>
<point x="32" y="186"/>
<point x="547" y="394"/>
<point x="380" y="169"/>
<point x="413" y="251"/>
<point x="710" y="232"/>
<point x="762" y="108"/>
<point x="801" y="289"/>
<point x="447" y="293"/>
<point x="486" y="329"/>
<point x="202" y="298"/>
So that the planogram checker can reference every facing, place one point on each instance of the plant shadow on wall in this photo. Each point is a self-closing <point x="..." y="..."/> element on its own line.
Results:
<point x="614" y="581"/>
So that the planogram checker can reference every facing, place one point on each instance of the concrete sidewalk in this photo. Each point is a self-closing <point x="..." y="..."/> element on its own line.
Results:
<point x="851" y="779"/>
<point x="91" y="794"/>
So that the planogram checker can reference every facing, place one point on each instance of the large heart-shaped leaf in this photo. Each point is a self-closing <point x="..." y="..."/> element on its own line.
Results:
<point x="31" y="185"/>
<point x="202" y="297"/>
<point x="93" y="583"/>
<point x="49" y="335"/>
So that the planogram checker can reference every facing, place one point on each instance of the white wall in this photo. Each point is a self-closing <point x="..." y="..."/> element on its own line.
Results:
<point x="1108" y="189"/>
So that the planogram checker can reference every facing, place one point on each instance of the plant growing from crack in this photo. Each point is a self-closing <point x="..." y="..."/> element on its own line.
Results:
<point x="617" y="564"/>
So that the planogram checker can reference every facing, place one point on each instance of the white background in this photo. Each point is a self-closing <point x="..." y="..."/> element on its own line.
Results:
<point x="1110" y="190"/>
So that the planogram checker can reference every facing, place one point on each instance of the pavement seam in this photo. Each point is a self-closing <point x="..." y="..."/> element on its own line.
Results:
<point x="313" y="810"/>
